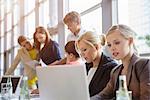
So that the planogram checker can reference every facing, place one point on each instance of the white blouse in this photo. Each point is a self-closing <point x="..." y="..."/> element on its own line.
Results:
<point x="91" y="73"/>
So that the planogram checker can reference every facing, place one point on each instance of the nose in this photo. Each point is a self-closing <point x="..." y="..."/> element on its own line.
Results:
<point x="112" y="48"/>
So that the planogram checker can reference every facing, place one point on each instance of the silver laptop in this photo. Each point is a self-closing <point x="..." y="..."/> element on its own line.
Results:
<point x="63" y="82"/>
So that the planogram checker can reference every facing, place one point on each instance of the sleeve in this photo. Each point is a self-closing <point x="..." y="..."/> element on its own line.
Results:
<point x="144" y="78"/>
<point x="96" y="97"/>
<point x="13" y="65"/>
<point x="57" y="51"/>
<point x="107" y="92"/>
<point x="69" y="37"/>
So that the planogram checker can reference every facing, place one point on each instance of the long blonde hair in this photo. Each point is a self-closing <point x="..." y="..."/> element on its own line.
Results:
<point x="125" y="31"/>
<point x="91" y="39"/>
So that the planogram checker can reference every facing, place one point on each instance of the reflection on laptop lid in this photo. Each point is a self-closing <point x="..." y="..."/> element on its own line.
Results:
<point x="63" y="82"/>
<point x="15" y="82"/>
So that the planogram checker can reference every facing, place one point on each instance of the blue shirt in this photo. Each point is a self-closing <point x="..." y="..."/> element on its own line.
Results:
<point x="50" y="53"/>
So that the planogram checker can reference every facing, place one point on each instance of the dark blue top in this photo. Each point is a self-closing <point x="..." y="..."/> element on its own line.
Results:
<point x="50" y="52"/>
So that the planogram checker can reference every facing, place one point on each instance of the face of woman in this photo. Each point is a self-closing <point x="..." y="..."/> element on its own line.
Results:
<point x="69" y="57"/>
<point x="88" y="52"/>
<point x="41" y="37"/>
<point x="118" y="45"/>
<point x="26" y="44"/>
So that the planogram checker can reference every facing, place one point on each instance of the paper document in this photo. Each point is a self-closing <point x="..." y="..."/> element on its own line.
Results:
<point x="42" y="63"/>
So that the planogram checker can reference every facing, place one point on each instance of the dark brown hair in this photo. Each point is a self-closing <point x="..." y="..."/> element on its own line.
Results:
<point x="70" y="48"/>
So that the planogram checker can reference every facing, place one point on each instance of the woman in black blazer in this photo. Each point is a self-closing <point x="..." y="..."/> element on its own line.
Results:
<point x="98" y="65"/>
<point x="102" y="74"/>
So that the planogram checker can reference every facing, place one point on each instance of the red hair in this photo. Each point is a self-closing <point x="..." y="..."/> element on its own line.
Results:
<point x="37" y="44"/>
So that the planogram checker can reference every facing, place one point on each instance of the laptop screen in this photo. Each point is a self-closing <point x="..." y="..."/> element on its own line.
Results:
<point x="14" y="79"/>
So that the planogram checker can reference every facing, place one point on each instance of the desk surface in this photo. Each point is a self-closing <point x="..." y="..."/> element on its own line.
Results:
<point x="33" y="97"/>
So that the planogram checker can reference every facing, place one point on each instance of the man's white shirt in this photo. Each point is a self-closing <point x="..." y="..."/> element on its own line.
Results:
<point x="72" y="37"/>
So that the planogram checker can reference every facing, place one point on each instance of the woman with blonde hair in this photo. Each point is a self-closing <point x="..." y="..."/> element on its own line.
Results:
<point x="98" y="65"/>
<point x="120" y="41"/>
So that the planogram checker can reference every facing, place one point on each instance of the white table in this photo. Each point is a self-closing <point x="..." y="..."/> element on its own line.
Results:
<point x="17" y="97"/>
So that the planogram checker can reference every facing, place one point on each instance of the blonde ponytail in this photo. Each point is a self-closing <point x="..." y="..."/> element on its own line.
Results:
<point x="103" y="39"/>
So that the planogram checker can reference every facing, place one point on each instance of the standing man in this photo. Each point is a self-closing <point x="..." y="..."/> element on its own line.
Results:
<point x="73" y="22"/>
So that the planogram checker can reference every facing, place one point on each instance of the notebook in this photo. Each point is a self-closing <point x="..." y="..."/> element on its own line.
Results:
<point x="16" y="80"/>
<point x="63" y="82"/>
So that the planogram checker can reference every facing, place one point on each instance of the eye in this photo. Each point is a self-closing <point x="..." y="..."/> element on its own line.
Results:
<point x="117" y="42"/>
<point x="23" y="45"/>
<point x="84" y="50"/>
<point x="27" y="42"/>
<point x="109" y="45"/>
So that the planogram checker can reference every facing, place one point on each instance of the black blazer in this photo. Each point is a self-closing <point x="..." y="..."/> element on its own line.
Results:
<point x="102" y="74"/>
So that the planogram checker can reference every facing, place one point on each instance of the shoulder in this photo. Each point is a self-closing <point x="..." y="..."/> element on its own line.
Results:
<point x="55" y="43"/>
<point x="21" y="49"/>
<point x="52" y="43"/>
<point x="141" y="64"/>
<point x="137" y="61"/>
<point x="82" y="31"/>
<point x="142" y="61"/>
<point x="70" y="37"/>
<point x="116" y="69"/>
<point x="108" y="61"/>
